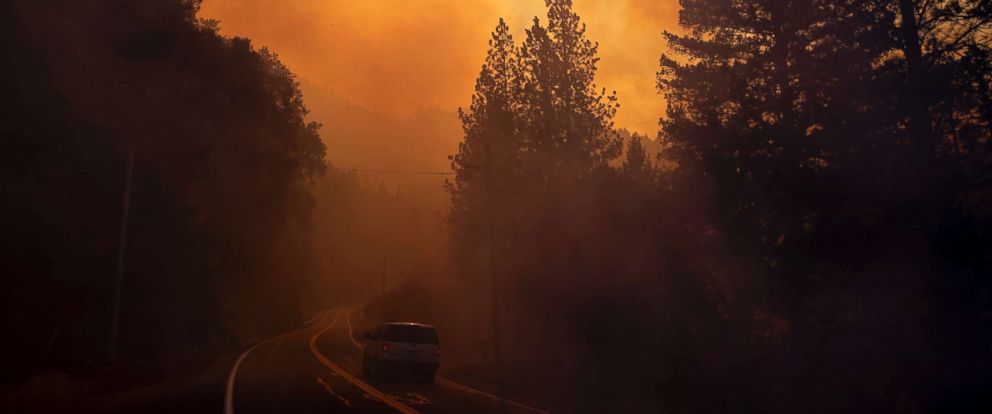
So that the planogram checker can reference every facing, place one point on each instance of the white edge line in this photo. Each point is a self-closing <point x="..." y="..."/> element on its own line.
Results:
<point x="229" y="391"/>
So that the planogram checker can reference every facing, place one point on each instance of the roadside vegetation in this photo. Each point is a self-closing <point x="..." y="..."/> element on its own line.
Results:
<point x="808" y="231"/>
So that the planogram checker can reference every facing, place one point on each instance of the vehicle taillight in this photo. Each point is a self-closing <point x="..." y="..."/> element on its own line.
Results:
<point x="385" y="347"/>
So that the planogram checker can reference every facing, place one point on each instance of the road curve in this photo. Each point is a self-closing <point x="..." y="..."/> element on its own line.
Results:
<point x="317" y="370"/>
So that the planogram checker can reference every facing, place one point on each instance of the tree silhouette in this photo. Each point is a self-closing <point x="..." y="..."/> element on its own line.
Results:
<point x="824" y="132"/>
<point x="568" y="123"/>
<point x="490" y="153"/>
<point x="221" y="202"/>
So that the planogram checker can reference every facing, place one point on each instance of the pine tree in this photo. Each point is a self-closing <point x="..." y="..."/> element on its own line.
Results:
<point x="933" y="38"/>
<point x="817" y="122"/>
<point x="637" y="166"/>
<point x="568" y="123"/>
<point x="536" y="135"/>
<point x="779" y="105"/>
<point x="491" y="145"/>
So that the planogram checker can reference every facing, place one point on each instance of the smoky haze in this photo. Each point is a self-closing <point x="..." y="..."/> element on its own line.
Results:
<point x="601" y="206"/>
<point x="397" y="58"/>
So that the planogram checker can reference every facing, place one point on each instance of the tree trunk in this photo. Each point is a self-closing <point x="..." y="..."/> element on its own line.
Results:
<point x="921" y="123"/>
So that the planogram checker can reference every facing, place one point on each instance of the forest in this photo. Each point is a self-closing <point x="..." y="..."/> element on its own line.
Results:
<point x="810" y="228"/>
<point x="223" y="165"/>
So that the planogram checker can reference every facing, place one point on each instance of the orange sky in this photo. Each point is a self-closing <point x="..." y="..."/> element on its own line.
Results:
<point x="397" y="56"/>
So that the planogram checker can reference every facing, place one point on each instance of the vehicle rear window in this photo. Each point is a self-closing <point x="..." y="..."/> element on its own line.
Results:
<point x="410" y="334"/>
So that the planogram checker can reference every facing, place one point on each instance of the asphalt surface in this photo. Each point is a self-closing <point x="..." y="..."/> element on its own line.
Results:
<point x="318" y="370"/>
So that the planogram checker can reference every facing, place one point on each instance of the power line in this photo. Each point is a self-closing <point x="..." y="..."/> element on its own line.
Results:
<point x="644" y="122"/>
<point x="394" y="171"/>
<point x="643" y="85"/>
<point x="423" y="172"/>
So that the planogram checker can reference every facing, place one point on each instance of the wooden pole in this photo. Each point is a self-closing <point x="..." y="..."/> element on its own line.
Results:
<point x="494" y="279"/>
<point x="122" y="247"/>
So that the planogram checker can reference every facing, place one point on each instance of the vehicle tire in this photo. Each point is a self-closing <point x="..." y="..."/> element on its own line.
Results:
<point x="428" y="377"/>
<point x="366" y="372"/>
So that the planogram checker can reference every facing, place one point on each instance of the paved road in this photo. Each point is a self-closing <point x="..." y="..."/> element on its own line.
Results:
<point x="317" y="370"/>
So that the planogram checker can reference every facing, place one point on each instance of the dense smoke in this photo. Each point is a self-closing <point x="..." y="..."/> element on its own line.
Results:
<point x="426" y="53"/>
<point x="802" y="222"/>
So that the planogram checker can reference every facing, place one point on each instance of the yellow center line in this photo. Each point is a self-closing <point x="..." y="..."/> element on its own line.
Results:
<point x="229" y="389"/>
<point x="350" y="334"/>
<point x="355" y="381"/>
<point x="330" y="390"/>
<point x="450" y="383"/>
<point x="470" y="390"/>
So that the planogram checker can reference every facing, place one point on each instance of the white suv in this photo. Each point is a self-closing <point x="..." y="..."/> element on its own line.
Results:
<point x="402" y="346"/>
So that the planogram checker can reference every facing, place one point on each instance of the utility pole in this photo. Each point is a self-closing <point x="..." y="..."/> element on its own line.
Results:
<point x="382" y="304"/>
<point x="494" y="288"/>
<point x="121" y="248"/>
